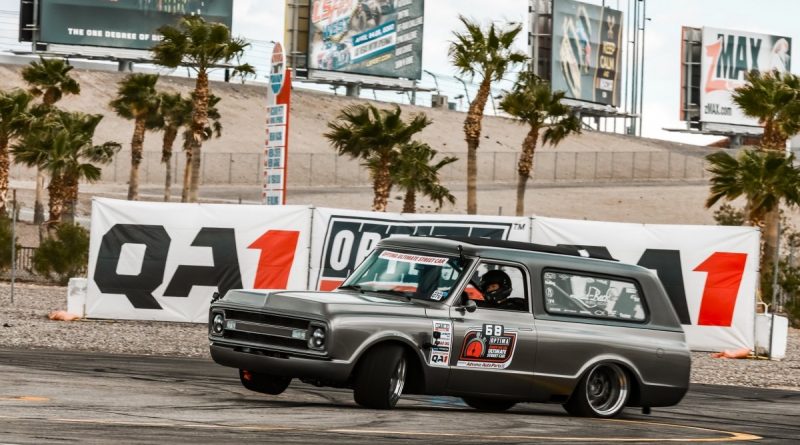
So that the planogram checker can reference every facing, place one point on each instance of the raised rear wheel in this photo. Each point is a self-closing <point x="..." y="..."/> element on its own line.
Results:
<point x="380" y="377"/>
<point x="602" y="392"/>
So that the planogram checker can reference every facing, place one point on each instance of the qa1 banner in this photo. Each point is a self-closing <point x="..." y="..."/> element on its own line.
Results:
<point x="163" y="261"/>
<point x="709" y="272"/>
<point x="343" y="238"/>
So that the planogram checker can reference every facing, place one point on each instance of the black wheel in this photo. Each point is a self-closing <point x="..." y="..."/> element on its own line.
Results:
<point x="264" y="383"/>
<point x="380" y="377"/>
<point x="602" y="392"/>
<point x="494" y="405"/>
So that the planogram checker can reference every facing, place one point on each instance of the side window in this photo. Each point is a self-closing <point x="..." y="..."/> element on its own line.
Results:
<point x="568" y="293"/>
<point x="498" y="286"/>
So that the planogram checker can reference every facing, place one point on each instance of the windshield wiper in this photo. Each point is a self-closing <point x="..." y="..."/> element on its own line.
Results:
<point x="393" y="293"/>
<point x="352" y="287"/>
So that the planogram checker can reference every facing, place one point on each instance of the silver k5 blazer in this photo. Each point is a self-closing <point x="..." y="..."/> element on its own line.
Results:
<point x="492" y="322"/>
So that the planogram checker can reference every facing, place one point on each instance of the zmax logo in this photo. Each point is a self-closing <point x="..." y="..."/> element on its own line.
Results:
<point x="275" y="263"/>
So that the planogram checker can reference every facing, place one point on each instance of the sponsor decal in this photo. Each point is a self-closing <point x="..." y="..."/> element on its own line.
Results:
<point x="438" y="295"/>
<point x="442" y="343"/>
<point x="409" y="258"/>
<point x="490" y="347"/>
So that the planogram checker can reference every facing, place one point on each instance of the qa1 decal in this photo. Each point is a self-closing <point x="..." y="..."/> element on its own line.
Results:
<point x="725" y="272"/>
<point x="490" y="347"/>
<point x="274" y="266"/>
<point x="442" y="343"/>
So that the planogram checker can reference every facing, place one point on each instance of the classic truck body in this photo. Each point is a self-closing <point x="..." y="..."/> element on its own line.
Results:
<point x="593" y="334"/>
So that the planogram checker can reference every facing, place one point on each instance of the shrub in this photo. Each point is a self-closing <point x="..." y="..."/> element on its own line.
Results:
<point x="5" y="243"/>
<point x="63" y="256"/>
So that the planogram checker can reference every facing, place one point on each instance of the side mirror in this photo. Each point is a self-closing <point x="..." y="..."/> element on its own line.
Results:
<point x="469" y="306"/>
<point x="215" y="296"/>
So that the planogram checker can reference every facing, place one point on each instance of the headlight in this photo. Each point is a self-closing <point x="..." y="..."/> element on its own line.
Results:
<point x="218" y="324"/>
<point x="317" y="338"/>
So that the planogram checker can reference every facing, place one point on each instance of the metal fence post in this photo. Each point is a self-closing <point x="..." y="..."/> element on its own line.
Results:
<point x="633" y="166"/>
<point x="230" y="168"/>
<point x="575" y="167"/>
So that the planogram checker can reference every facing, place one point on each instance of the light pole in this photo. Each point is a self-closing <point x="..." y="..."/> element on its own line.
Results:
<point x="466" y="92"/>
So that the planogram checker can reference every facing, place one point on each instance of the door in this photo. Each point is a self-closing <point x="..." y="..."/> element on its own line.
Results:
<point x="494" y="347"/>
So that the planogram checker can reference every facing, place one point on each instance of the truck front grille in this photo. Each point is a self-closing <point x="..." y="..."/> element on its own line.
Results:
<point x="266" y="330"/>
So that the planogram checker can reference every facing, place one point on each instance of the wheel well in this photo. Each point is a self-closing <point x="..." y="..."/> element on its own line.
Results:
<point x="635" y="396"/>
<point x="415" y="374"/>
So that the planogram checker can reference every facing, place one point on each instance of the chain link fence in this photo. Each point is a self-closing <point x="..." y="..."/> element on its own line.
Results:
<point x="330" y="169"/>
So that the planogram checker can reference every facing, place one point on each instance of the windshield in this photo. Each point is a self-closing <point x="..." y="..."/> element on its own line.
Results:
<point x="407" y="274"/>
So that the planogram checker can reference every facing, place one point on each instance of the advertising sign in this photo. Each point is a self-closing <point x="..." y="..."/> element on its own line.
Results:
<point x="277" y="144"/>
<point x="129" y="24"/>
<point x="343" y="238"/>
<point x="162" y="261"/>
<point x="726" y="57"/>
<point x="709" y="272"/>
<point x="587" y="45"/>
<point x="370" y="37"/>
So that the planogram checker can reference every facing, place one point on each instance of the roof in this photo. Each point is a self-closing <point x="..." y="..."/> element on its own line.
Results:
<point x="576" y="251"/>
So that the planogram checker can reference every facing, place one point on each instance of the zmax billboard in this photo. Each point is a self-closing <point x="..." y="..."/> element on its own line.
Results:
<point x="587" y="43"/>
<point x="131" y="24"/>
<point x="726" y="57"/>
<point x="370" y="37"/>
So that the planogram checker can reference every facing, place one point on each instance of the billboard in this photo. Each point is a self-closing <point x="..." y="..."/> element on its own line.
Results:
<point x="370" y="37"/>
<point x="726" y="57"/>
<point x="128" y="24"/>
<point x="587" y="43"/>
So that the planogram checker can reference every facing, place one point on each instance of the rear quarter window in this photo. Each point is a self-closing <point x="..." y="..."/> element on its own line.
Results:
<point x="583" y="295"/>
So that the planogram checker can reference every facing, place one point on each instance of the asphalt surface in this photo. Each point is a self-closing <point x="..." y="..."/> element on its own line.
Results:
<point x="65" y="397"/>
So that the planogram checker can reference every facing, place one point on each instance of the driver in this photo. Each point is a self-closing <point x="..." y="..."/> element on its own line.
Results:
<point x="496" y="288"/>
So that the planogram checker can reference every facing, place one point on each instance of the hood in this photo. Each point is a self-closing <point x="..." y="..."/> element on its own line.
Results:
<point x="325" y="303"/>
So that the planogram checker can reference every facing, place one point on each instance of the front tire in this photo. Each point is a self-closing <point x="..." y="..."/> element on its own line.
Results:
<point x="380" y="377"/>
<point x="492" y="405"/>
<point x="264" y="383"/>
<point x="602" y="392"/>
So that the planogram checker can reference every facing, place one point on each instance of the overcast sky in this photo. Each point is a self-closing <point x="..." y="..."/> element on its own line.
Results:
<point x="263" y="20"/>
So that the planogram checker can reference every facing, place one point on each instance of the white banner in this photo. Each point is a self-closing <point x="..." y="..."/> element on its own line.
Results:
<point x="341" y="239"/>
<point x="163" y="261"/>
<point x="726" y="57"/>
<point x="709" y="272"/>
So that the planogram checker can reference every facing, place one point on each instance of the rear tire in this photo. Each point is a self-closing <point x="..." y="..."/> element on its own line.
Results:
<point x="602" y="392"/>
<point x="492" y="405"/>
<point x="380" y="377"/>
<point x="264" y="383"/>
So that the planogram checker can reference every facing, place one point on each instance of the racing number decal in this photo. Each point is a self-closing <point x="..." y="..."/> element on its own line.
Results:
<point x="489" y="347"/>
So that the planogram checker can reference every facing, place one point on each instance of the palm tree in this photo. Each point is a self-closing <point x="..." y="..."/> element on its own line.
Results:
<point x="765" y="178"/>
<point x="212" y="130"/>
<point x="61" y="144"/>
<point x="415" y="173"/>
<point x="50" y="79"/>
<point x="535" y="104"/>
<point x="774" y="99"/>
<point x="14" y="118"/>
<point x="174" y="113"/>
<point x="138" y="100"/>
<point x="364" y="132"/>
<point x="486" y="55"/>
<point x="200" y="46"/>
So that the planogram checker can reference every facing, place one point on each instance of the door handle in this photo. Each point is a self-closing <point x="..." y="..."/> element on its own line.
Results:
<point x="526" y="329"/>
